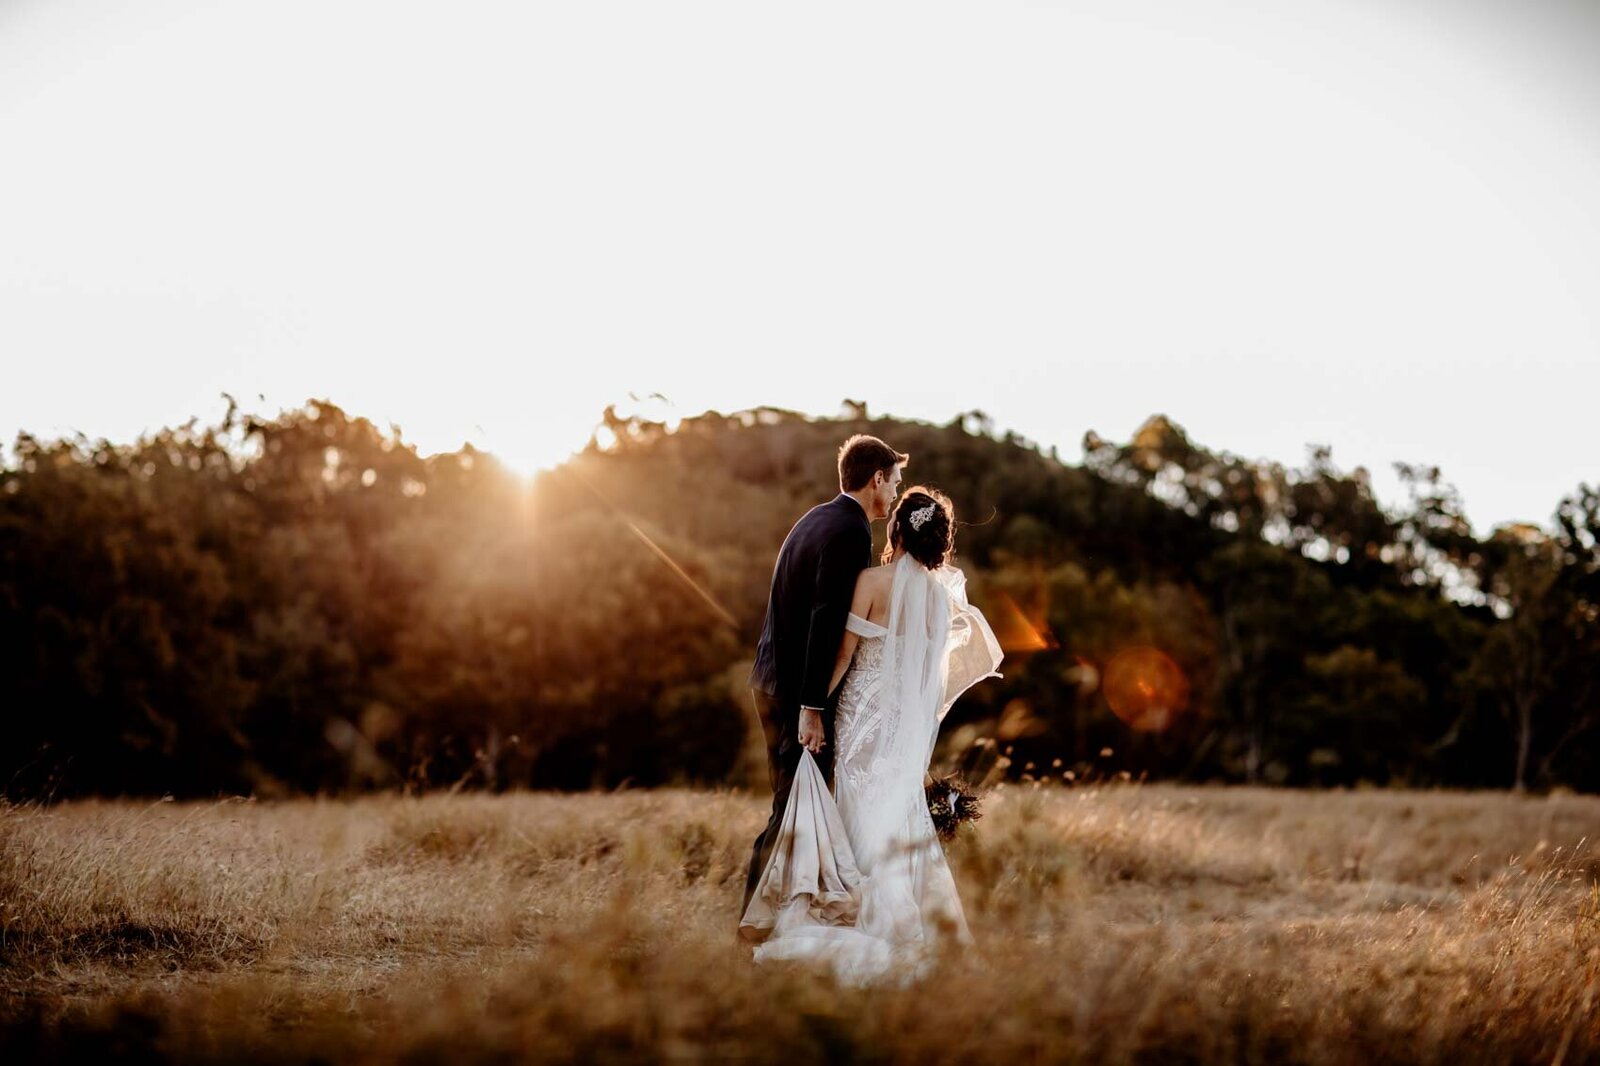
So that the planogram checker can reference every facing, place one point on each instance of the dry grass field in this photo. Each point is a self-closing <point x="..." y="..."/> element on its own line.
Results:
<point x="1115" y="923"/>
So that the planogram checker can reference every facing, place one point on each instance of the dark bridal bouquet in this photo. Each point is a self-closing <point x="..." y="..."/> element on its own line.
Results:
<point x="951" y="801"/>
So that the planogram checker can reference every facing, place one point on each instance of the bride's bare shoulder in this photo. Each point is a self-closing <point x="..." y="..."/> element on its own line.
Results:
<point x="878" y="575"/>
<point x="872" y="587"/>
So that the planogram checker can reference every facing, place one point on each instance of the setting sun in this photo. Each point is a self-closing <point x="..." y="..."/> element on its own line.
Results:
<point x="532" y="451"/>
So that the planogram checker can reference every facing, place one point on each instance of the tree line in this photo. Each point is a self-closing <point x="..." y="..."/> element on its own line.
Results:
<point x="304" y="603"/>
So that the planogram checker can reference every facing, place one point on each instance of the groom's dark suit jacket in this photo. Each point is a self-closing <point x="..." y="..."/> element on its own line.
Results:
<point x="812" y="585"/>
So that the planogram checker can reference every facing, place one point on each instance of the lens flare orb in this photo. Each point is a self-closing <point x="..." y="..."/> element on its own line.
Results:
<point x="1145" y="688"/>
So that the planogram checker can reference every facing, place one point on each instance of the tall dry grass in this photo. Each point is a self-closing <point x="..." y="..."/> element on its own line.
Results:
<point x="1116" y="923"/>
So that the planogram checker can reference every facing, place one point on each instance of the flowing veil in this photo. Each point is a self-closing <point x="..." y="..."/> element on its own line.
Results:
<point x="937" y="647"/>
<point x="913" y="682"/>
<point x="973" y="652"/>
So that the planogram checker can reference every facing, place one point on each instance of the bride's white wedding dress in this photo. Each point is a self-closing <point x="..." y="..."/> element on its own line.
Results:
<point x="858" y="879"/>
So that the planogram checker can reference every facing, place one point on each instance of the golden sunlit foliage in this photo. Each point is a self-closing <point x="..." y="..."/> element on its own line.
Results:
<point x="303" y="603"/>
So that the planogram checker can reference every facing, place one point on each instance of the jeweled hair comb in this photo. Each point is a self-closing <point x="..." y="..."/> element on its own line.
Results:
<point x="919" y="517"/>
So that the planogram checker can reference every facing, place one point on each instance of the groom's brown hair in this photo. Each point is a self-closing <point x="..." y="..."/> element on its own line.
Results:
<point x="862" y="456"/>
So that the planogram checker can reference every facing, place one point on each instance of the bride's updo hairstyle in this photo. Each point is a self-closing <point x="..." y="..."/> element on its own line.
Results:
<point x="924" y="523"/>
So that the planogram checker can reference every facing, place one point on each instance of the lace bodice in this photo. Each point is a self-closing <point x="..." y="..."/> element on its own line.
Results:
<point x="859" y="711"/>
<point x="868" y="658"/>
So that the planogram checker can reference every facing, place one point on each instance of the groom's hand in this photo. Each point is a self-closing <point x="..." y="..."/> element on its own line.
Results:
<point x="811" y="729"/>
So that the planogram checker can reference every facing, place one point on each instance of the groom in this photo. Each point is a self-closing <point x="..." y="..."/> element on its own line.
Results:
<point x="812" y="585"/>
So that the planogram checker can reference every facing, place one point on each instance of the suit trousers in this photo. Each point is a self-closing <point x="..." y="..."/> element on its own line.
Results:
<point x="783" y="760"/>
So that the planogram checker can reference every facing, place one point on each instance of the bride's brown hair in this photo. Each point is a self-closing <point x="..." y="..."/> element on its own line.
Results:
<point x="932" y="542"/>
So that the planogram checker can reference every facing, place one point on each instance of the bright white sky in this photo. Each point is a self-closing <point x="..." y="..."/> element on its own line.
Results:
<point x="1372" y="223"/>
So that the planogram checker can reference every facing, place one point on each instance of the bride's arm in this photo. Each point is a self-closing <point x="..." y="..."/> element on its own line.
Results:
<point x="847" y="651"/>
<point x="860" y="606"/>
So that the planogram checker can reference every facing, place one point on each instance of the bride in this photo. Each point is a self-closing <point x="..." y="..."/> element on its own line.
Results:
<point x="858" y="879"/>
